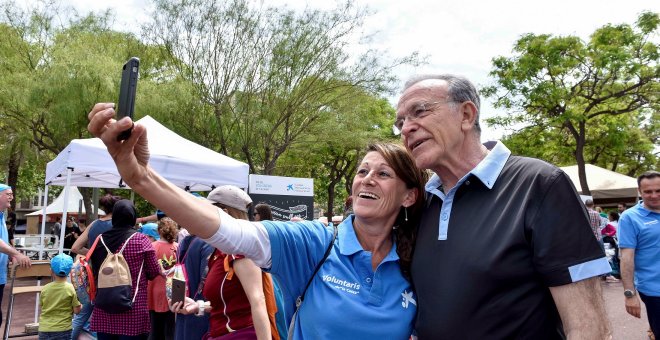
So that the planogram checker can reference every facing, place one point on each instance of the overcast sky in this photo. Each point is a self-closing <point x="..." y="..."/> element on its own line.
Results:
<point x="459" y="36"/>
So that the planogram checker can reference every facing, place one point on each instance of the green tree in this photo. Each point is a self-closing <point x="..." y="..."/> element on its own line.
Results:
<point x="53" y="74"/>
<point x="266" y="77"/>
<point x="585" y="97"/>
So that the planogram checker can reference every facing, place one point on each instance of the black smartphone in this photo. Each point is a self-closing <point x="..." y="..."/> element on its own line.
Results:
<point x="178" y="290"/>
<point x="127" y="87"/>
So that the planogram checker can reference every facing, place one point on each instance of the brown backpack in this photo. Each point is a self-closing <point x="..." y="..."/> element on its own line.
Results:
<point x="114" y="291"/>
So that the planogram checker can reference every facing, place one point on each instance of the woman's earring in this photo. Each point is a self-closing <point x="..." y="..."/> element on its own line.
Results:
<point x="405" y="210"/>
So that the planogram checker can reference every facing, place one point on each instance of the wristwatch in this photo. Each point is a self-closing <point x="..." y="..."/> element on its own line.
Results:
<point x="629" y="293"/>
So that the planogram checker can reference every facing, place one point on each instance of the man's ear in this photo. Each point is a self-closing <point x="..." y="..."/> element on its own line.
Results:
<point x="469" y="115"/>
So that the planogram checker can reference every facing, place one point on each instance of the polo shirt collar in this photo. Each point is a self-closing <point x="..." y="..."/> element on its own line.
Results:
<point x="487" y="171"/>
<point x="642" y="210"/>
<point x="348" y="242"/>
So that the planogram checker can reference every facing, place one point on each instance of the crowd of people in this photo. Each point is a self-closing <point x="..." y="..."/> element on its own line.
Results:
<point x="481" y="239"/>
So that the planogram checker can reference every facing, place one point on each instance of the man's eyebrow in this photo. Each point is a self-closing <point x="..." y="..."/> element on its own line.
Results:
<point x="409" y="106"/>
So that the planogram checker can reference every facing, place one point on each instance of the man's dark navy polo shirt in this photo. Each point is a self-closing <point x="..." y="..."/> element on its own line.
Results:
<point x="488" y="250"/>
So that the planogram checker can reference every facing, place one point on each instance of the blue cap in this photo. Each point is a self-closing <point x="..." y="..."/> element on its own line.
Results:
<point x="4" y="187"/>
<point x="150" y="229"/>
<point x="61" y="265"/>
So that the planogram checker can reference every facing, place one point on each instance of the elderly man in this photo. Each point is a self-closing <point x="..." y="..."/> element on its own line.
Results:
<point x="639" y="240"/>
<point x="504" y="249"/>
<point x="6" y="196"/>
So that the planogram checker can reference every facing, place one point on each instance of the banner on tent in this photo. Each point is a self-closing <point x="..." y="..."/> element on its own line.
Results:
<point x="288" y="197"/>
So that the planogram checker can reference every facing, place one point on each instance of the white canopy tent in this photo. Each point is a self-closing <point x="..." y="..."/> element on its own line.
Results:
<point x="73" y="205"/>
<point x="87" y="163"/>
<point x="182" y="162"/>
<point x="58" y="205"/>
<point x="604" y="183"/>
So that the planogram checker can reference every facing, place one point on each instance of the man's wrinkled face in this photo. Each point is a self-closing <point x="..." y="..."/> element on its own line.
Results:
<point x="429" y="122"/>
<point x="6" y="197"/>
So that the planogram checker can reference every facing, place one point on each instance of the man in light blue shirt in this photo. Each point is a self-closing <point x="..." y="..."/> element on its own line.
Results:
<point x="6" y="196"/>
<point x="639" y="240"/>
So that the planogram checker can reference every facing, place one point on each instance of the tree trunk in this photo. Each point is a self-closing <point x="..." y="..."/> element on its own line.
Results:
<point x="331" y="200"/>
<point x="579" y="157"/>
<point x="87" y="203"/>
<point x="13" y="167"/>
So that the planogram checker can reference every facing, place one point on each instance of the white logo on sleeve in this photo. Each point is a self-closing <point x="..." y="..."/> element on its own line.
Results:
<point x="407" y="298"/>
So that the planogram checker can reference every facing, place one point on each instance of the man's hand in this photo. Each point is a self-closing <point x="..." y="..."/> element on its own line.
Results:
<point x="132" y="155"/>
<point x="22" y="260"/>
<point x="633" y="306"/>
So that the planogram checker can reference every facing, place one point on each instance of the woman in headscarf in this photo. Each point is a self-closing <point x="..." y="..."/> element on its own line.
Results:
<point x="81" y="247"/>
<point x="134" y="323"/>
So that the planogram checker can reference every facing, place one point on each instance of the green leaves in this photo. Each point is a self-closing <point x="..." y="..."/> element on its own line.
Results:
<point x="264" y="85"/>
<point x="569" y="93"/>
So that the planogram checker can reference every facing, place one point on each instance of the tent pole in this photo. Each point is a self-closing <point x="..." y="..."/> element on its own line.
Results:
<point x="41" y="247"/>
<point x="43" y="219"/>
<point x="65" y="209"/>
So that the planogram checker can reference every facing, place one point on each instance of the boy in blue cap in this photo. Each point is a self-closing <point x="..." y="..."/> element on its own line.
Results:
<point x="58" y="302"/>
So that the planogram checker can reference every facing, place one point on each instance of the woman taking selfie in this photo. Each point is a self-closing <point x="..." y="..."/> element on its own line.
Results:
<point x="364" y="277"/>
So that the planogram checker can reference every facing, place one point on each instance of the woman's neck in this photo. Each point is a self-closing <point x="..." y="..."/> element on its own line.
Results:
<point x="375" y="239"/>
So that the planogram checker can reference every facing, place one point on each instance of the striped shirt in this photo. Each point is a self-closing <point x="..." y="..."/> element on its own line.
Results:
<point x="594" y="222"/>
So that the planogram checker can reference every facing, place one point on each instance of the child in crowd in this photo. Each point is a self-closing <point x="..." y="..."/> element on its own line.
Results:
<point x="58" y="302"/>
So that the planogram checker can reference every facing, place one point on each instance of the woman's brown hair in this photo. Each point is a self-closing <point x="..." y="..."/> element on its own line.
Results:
<point x="264" y="211"/>
<point x="107" y="202"/>
<point x="405" y="226"/>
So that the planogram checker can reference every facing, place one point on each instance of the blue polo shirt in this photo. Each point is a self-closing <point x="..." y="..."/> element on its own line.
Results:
<point x="4" y="259"/>
<point x="346" y="299"/>
<point x="639" y="229"/>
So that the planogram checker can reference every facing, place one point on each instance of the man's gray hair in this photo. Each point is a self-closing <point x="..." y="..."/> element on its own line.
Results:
<point x="459" y="89"/>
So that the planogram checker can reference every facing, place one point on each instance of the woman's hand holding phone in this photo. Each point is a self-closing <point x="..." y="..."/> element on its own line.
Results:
<point x="186" y="307"/>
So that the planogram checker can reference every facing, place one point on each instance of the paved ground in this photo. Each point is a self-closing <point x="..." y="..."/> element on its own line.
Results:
<point x="624" y="326"/>
<point x="24" y="306"/>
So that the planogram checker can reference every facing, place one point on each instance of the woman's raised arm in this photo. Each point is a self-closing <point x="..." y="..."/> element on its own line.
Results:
<point x="131" y="157"/>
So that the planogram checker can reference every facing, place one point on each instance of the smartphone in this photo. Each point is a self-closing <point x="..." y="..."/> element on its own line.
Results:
<point x="178" y="290"/>
<point x="127" y="87"/>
